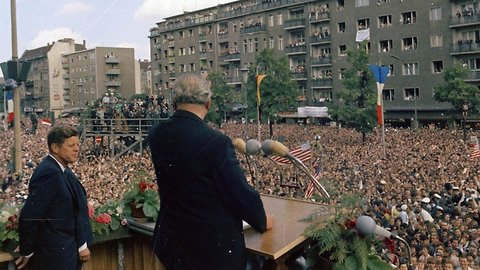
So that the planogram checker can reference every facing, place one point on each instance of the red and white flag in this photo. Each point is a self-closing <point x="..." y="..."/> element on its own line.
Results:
<point x="9" y="97"/>
<point x="474" y="151"/>
<point x="311" y="186"/>
<point x="303" y="152"/>
<point x="46" y="121"/>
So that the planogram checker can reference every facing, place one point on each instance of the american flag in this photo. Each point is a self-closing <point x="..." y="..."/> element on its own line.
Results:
<point x="303" y="152"/>
<point x="311" y="187"/>
<point x="474" y="151"/>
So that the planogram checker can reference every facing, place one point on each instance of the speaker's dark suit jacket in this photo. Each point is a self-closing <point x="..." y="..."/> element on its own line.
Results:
<point x="203" y="196"/>
<point x="54" y="221"/>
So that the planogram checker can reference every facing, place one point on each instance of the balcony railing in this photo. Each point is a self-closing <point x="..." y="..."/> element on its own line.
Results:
<point x="465" y="20"/>
<point x="65" y="76"/>
<point x="321" y="60"/>
<point x="113" y="71"/>
<point x="320" y="17"/>
<point x="296" y="49"/>
<point x="113" y="83"/>
<point x="473" y="76"/>
<point x="253" y="29"/>
<point x="232" y="57"/>
<point x="258" y="7"/>
<point x="299" y="75"/>
<point x="66" y="86"/>
<point x="222" y="36"/>
<point x="294" y="23"/>
<point x="327" y="82"/>
<point x="202" y="37"/>
<point x="466" y="47"/>
<point x="233" y="80"/>
<point x="65" y="65"/>
<point x="157" y="46"/>
<point x="112" y="60"/>
<point x="320" y="39"/>
<point x="203" y="55"/>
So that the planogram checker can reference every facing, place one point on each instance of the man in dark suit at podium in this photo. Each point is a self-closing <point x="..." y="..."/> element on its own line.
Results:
<point x="54" y="226"/>
<point x="203" y="192"/>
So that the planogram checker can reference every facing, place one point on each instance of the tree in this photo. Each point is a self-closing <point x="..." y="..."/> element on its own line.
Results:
<point x="278" y="91"/>
<point x="456" y="91"/>
<point x="222" y="98"/>
<point x="354" y="105"/>
<point x="462" y="95"/>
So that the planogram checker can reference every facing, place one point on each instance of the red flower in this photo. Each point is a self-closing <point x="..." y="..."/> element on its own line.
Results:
<point x="91" y="211"/>
<point x="350" y="223"/>
<point x="390" y="244"/>
<point x="142" y="186"/>
<point x="103" y="218"/>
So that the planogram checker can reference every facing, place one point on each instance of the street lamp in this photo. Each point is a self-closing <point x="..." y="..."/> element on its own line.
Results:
<point x="415" y="96"/>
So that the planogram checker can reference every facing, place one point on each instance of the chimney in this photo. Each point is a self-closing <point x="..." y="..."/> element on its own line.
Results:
<point x="84" y="43"/>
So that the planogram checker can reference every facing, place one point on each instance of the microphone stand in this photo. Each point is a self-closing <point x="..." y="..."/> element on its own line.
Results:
<point x="299" y="164"/>
<point x="396" y="237"/>
<point x="252" y="173"/>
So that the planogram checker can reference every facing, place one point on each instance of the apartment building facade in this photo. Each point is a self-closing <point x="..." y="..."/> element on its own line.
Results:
<point x="89" y="74"/>
<point x="417" y="40"/>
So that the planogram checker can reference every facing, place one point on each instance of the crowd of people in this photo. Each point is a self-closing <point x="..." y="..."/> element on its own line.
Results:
<point x="420" y="184"/>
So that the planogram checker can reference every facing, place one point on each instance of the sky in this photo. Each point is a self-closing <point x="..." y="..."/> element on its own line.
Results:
<point x="102" y="23"/>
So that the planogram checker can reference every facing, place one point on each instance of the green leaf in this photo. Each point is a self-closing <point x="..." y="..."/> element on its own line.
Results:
<point x="149" y="209"/>
<point x="374" y="263"/>
<point x="114" y="224"/>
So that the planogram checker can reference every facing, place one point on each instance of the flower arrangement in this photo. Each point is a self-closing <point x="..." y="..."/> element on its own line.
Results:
<point x="338" y="242"/>
<point x="143" y="195"/>
<point x="107" y="218"/>
<point x="8" y="228"/>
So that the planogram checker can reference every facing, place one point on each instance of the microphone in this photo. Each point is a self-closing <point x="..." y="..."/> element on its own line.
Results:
<point x="270" y="147"/>
<point x="367" y="226"/>
<point x="240" y="146"/>
<point x="253" y="147"/>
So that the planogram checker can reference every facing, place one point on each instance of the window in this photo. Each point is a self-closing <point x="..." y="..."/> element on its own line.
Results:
<point x="191" y="50"/>
<point x="210" y="46"/>
<point x="436" y="40"/>
<point x="410" y="69"/>
<point x="271" y="43"/>
<point x="340" y="5"/>
<point x="181" y="51"/>
<point x="437" y="67"/>
<point x="280" y="43"/>
<point x="280" y="18"/>
<point x="385" y="21"/>
<point x="409" y="43"/>
<point x="473" y="63"/>
<point x="190" y="32"/>
<point x="435" y="14"/>
<point x="270" y="20"/>
<point x="192" y="67"/>
<point x="92" y="56"/>
<point x="341" y="74"/>
<point x="363" y="24"/>
<point x="341" y="27"/>
<point x="367" y="47"/>
<point x="181" y="34"/>
<point x="361" y="3"/>
<point x="388" y="94"/>
<point x="385" y="45"/>
<point x="245" y="46"/>
<point x="390" y="70"/>
<point x="342" y="50"/>
<point x="410" y="94"/>
<point x="409" y="17"/>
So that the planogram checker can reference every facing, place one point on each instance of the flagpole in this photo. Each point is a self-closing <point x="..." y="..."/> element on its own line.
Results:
<point x="383" y="118"/>
<point x="258" y="106"/>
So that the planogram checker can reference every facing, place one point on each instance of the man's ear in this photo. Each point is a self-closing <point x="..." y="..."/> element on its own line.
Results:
<point x="54" y="148"/>
<point x="208" y="104"/>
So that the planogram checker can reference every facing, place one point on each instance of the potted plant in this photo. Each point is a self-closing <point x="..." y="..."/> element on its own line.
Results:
<point x="8" y="228"/>
<point x="142" y="197"/>
<point x="106" y="219"/>
<point x="336" y="244"/>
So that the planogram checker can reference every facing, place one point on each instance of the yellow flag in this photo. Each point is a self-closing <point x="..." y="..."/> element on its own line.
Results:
<point x="259" y="80"/>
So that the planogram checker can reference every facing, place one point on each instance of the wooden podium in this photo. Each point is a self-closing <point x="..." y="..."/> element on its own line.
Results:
<point x="286" y="236"/>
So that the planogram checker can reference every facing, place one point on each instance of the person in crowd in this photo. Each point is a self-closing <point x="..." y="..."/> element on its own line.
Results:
<point x="204" y="192"/>
<point x="54" y="226"/>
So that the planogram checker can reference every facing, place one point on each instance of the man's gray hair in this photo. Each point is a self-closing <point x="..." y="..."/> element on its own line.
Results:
<point x="192" y="88"/>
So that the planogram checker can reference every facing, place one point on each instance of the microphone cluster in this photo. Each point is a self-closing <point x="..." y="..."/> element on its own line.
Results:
<point x="271" y="147"/>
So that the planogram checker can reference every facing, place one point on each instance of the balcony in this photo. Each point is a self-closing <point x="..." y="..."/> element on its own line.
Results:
<point x="320" y="61"/>
<point x="113" y="71"/>
<point x="232" y="57"/>
<point x="202" y="37"/>
<point x="66" y="76"/>
<point x="171" y="44"/>
<point x="66" y="96"/>
<point x="65" y="64"/>
<point x="467" y="20"/>
<point x="113" y="83"/>
<point x="319" y="17"/>
<point x="171" y="60"/>
<point x="320" y="39"/>
<point x="112" y="59"/>
<point x="233" y="80"/>
<point x="322" y="83"/>
<point x="253" y="29"/>
<point x="171" y="75"/>
<point x="249" y="9"/>
<point x="294" y="23"/>
<point x="299" y="75"/>
<point x="157" y="46"/>
<point x="466" y="47"/>
<point x="292" y="49"/>
<point x="473" y="76"/>
<point x="66" y="86"/>
<point x="222" y="36"/>
<point x="203" y="55"/>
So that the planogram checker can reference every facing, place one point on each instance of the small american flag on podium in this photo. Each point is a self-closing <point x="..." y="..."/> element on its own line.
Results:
<point x="474" y="151"/>
<point x="311" y="187"/>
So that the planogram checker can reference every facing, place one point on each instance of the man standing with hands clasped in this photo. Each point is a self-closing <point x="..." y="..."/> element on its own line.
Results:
<point x="54" y="226"/>
<point x="203" y="191"/>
